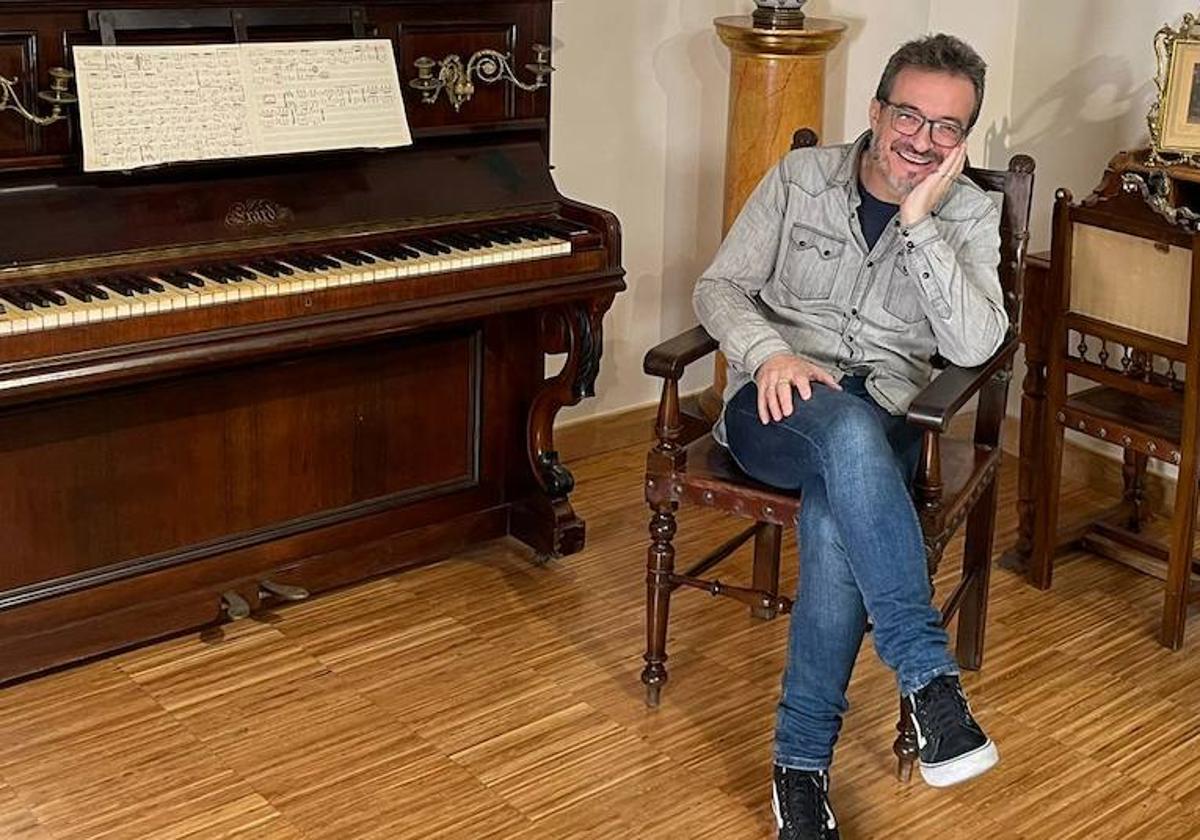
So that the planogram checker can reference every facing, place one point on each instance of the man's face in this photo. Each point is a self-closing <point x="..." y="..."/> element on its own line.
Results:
<point x="904" y="161"/>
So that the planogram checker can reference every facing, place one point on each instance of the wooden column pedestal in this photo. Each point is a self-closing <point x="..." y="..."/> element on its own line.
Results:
<point x="776" y="87"/>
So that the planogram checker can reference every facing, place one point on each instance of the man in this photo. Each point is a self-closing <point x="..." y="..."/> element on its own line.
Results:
<point x="848" y="268"/>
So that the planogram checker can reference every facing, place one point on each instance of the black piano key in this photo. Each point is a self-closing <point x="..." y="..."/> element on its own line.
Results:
<point x="268" y="268"/>
<point x="119" y="286"/>
<point x="459" y="241"/>
<point x="529" y="233"/>
<point x="138" y="284"/>
<point x="235" y="273"/>
<point x="505" y="236"/>
<point x="216" y="275"/>
<point x="349" y="257"/>
<point x="405" y="251"/>
<point x="16" y="299"/>
<point x="300" y="261"/>
<point x="428" y="246"/>
<point x="75" y="293"/>
<point x="364" y="257"/>
<point x="94" y="290"/>
<point x="34" y="296"/>
<point x="55" y="297"/>
<point x="169" y="279"/>
<point x="281" y="268"/>
<point x="397" y="251"/>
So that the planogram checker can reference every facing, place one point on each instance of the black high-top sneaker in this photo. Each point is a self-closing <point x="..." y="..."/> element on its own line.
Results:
<point x="800" y="799"/>
<point x="952" y="745"/>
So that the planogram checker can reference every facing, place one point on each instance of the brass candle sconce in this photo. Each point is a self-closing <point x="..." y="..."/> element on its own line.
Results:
<point x="488" y="66"/>
<point x="58" y="97"/>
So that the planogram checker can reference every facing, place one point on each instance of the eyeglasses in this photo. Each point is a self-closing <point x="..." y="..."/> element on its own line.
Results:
<point x="909" y="122"/>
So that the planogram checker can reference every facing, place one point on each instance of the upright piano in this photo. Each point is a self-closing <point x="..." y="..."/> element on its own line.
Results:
<point x="228" y="385"/>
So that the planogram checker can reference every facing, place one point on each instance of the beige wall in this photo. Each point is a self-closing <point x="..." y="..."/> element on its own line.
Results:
<point x="640" y="105"/>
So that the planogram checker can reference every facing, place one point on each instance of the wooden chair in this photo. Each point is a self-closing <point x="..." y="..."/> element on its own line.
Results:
<point x="1125" y="298"/>
<point x="956" y="483"/>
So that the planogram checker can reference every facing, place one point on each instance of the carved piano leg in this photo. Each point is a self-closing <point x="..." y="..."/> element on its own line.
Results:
<point x="545" y="520"/>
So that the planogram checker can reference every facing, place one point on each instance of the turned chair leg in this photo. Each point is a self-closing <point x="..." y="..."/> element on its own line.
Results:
<point x="660" y="564"/>
<point x="977" y="565"/>
<point x="1179" y="559"/>
<point x="905" y="745"/>
<point x="766" y="566"/>
<point x="1133" y="476"/>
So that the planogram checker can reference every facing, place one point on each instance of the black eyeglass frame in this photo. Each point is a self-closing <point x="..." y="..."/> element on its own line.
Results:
<point x="898" y="110"/>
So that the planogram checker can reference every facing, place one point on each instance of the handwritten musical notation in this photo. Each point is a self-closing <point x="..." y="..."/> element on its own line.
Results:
<point x="145" y="106"/>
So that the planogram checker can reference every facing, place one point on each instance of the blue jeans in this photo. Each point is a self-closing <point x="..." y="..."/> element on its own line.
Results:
<point x="861" y="554"/>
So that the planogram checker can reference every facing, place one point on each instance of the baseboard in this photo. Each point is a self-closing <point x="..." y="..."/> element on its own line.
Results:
<point x="605" y="432"/>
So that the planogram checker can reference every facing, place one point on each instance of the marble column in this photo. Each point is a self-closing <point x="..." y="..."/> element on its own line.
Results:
<point x="776" y="87"/>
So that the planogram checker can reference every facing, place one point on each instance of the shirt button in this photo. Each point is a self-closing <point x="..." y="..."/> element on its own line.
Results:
<point x="870" y="264"/>
<point x="925" y="274"/>
<point x="910" y="246"/>
<point x="853" y="311"/>
<point x="850" y="338"/>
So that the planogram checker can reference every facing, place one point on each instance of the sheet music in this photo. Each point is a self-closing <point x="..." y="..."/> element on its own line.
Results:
<point x="143" y="106"/>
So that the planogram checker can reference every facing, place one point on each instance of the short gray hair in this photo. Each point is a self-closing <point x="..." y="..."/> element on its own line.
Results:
<point x="939" y="53"/>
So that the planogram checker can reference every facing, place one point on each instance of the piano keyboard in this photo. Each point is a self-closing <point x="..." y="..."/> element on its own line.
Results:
<point x="34" y="308"/>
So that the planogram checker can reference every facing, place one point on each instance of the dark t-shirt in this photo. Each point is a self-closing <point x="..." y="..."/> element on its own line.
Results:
<point x="873" y="215"/>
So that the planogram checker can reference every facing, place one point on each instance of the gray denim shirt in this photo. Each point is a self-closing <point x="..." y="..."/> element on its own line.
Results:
<point x="794" y="275"/>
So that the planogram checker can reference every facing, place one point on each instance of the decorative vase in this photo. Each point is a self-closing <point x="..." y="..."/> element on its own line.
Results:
<point x="779" y="14"/>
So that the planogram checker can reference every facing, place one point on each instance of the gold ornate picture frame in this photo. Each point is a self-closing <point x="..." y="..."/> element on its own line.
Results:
<point x="1174" y="117"/>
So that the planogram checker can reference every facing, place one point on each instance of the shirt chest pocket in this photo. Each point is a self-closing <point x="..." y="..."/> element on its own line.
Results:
<point x="813" y="260"/>
<point x="902" y="298"/>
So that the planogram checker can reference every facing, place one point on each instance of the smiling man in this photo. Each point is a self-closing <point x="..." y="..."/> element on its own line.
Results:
<point x="847" y="270"/>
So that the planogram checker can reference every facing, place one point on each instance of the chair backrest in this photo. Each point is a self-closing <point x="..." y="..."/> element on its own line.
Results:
<point x="1125" y="291"/>
<point x="1015" y="187"/>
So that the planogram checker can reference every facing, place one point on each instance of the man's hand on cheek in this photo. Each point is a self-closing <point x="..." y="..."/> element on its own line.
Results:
<point x="920" y="202"/>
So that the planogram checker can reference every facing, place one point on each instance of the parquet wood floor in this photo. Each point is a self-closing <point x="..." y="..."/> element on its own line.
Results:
<point x="484" y="697"/>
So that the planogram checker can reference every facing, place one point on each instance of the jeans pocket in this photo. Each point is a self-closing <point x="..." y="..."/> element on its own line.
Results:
<point x="813" y="261"/>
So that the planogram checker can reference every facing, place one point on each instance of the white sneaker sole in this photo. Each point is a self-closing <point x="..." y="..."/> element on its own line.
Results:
<point x="960" y="769"/>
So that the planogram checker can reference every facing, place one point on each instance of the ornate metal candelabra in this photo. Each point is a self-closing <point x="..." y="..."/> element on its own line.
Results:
<point x="488" y="66"/>
<point x="58" y="96"/>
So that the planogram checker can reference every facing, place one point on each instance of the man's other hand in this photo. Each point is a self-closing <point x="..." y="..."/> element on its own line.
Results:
<point x="778" y="375"/>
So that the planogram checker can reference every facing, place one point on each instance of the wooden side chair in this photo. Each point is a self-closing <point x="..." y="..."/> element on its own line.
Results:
<point x="956" y="482"/>
<point x="1125" y="292"/>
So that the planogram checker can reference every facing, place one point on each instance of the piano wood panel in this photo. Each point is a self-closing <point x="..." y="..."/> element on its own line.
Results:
<point x="18" y="59"/>
<point x="169" y="466"/>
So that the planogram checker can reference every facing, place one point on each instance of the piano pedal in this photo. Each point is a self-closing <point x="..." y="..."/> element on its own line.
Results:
<point x="282" y="591"/>
<point x="234" y="606"/>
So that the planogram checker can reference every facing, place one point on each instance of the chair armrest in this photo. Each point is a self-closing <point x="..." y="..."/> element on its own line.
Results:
<point x="669" y="359"/>
<point x="941" y="399"/>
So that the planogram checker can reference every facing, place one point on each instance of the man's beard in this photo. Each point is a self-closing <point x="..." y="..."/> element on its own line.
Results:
<point x="901" y="185"/>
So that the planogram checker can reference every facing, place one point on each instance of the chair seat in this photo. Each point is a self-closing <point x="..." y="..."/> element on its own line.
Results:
<point x="713" y="478"/>
<point x="1150" y="426"/>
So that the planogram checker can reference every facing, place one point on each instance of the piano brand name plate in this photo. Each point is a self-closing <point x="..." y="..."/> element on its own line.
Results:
<point x="151" y="105"/>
